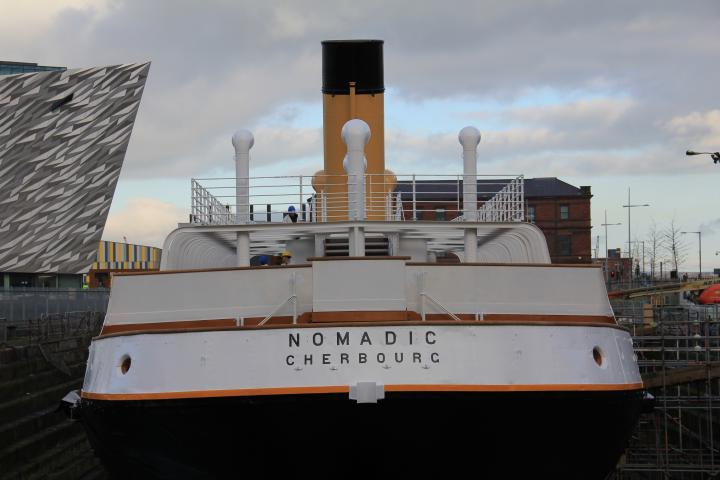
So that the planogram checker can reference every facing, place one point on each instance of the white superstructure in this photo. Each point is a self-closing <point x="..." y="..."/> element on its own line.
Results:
<point x="502" y="319"/>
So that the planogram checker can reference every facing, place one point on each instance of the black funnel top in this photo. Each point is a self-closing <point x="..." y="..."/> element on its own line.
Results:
<point x="359" y="61"/>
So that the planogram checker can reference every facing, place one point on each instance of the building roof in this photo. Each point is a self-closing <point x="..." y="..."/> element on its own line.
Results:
<point x="550" y="187"/>
<point x="12" y="68"/>
<point x="534" y="188"/>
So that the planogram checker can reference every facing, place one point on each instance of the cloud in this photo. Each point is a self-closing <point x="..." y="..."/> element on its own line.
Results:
<point x="701" y="130"/>
<point x="594" y="112"/>
<point x="144" y="221"/>
<point x="710" y="228"/>
<point x="633" y="81"/>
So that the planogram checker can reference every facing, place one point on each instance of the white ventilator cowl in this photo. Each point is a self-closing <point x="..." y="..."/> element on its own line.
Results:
<point x="243" y="140"/>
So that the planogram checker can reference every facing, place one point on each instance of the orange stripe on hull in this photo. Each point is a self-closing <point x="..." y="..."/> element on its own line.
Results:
<point x="251" y="392"/>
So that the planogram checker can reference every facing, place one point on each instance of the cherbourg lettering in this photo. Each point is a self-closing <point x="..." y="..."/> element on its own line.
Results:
<point x="347" y="347"/>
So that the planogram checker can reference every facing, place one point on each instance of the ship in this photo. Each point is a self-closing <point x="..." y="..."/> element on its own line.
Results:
<point x="391" y="341"/>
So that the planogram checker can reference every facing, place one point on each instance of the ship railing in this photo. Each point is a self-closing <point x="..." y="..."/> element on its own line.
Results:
<point x="207" y="209"/>
<point x="331" y="198"/>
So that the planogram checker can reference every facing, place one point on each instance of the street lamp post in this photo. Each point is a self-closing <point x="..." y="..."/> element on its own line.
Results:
<point x="699" y="234"/>
<point x="606" y="238"/>
<point x="714" y="155"/>
<point x="630" y="206"/>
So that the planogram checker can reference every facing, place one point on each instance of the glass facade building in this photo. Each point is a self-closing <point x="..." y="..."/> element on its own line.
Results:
<point x="12" y="68"/>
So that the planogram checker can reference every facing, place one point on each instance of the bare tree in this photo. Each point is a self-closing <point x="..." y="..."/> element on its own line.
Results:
<point x="636" y="255"/>
<point x="656" y="246"/>
<point x="675" y="245"/>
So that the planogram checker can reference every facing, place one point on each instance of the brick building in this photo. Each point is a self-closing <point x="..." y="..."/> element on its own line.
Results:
<point x="560" y="210"/>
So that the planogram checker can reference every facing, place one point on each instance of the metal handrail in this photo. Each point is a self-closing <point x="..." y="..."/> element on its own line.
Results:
<point x="386" y="197"/>
<point x="292" y="298"/>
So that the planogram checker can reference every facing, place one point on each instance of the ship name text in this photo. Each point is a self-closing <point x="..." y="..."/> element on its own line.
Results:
<point x="362" y="347"/>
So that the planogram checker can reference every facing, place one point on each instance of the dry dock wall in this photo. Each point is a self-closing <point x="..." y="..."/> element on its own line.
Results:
<point x="37" y="368"/>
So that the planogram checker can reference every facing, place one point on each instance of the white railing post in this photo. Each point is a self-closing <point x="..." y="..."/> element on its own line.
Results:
<point x="301" y="202"/>
<point x="522" y="198"/>
<point x="243" y="141"/>
<point x="414" y="200"/>
<point x="193" y="201"/>
<point x="323" y="203"/>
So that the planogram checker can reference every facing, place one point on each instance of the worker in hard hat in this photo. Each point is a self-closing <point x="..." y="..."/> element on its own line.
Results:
<point x="285" y="257"/>
<point x="291" y="216"/>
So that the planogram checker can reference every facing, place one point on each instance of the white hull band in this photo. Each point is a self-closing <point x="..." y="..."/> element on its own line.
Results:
<point x="442" y="358"/>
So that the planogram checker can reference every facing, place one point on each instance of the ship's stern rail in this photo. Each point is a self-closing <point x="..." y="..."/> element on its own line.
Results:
<point x="326" y="198"/>
<point x="349" y="290"/>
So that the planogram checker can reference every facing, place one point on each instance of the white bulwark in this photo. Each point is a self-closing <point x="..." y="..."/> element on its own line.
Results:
<point x="468" y="357"/>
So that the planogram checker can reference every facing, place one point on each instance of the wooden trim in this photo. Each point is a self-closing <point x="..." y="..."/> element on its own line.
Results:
<point x="138" y="328"/>
<point x="223" y="269"/>
<point x="251" y="392"/>
<point x="512" y="318"/>
<point x="305" y="317"/>
<point x="479" y="264"/>
<point x="163" y="326"/>
<point x="328" y="259"/>
<point x="349" y="317"/>
<point x="360" y="316"/>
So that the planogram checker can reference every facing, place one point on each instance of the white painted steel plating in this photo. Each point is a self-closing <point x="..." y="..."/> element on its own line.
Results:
<point x="211" y="246"/>
<point x="292" y="299"/>
<point x="365" y="285"/>
<point x="464" y="354"/>
<point x="423" y="295"/>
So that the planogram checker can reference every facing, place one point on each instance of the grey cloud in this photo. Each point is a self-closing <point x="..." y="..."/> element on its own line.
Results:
<point x="220" y="65"/>
<point x="710" y="228"/>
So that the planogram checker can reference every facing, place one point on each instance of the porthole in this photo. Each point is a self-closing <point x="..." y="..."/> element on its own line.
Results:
<point x="598" y="356"/>
<point x="125" y="363"/>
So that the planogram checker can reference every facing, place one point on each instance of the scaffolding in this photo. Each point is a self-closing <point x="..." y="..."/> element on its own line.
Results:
<point x="678" y="352"/>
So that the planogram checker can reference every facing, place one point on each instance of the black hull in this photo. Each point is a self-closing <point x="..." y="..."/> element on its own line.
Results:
<point x="577" y="435"/>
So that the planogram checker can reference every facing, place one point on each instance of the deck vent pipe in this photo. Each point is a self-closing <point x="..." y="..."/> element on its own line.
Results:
<point x="356" y="134"/>
<point x="242" y="141"/>
<point x="469" y="138"/>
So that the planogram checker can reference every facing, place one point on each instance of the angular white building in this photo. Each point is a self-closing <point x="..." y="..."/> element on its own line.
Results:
<point x="63" y="138"/>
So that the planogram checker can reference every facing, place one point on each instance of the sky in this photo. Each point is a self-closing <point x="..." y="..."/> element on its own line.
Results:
<point x="608" y="94"/>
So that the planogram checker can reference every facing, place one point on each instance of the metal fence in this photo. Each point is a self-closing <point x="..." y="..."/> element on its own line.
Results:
<point x="678" y="351"/>
<point x="23" y="304"/>
<point x="64" y="325"/>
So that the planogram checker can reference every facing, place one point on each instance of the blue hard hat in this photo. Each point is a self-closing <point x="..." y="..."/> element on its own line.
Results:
<point x="291" y="208"/>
